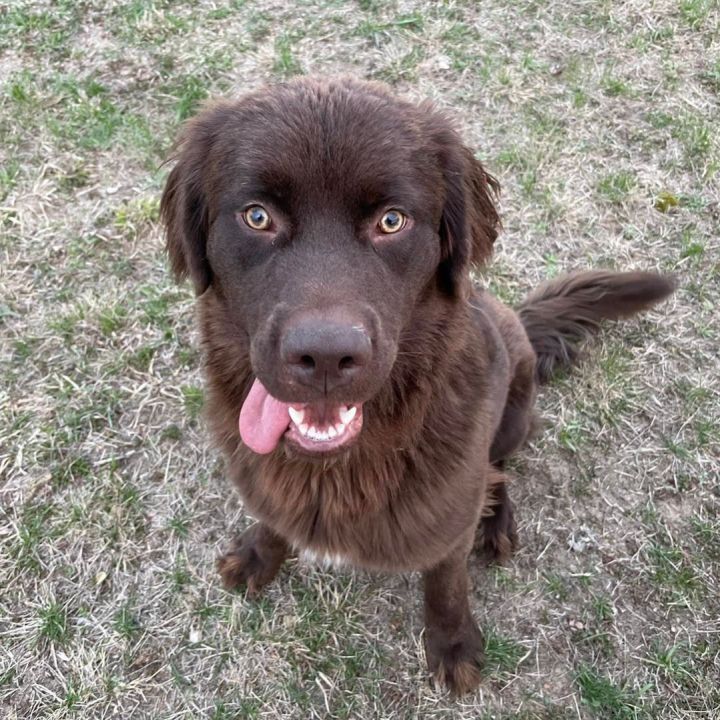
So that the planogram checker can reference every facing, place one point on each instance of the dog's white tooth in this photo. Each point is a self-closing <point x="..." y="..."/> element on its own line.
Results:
<point x="347" y="414"/>
<point x="332" y="432"/>
<point x="297" y="416"/>
<point x="312" y="432"/>
<point x="303" y="429"/>
<point x="339" y="429"/>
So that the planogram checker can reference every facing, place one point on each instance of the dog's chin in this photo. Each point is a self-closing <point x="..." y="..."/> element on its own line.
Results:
<point x="323" y="429"/>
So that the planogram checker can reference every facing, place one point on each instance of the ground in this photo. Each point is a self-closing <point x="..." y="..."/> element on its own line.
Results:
<point x="601" y="120"/>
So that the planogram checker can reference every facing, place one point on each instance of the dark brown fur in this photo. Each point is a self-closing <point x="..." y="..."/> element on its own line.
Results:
<point x="561" y="313"/>
<point x="455" y="384"/>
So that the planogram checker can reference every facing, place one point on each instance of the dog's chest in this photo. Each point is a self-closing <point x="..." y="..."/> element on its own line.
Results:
<point x="383" y="518"/>
<point x="323" y="559"/>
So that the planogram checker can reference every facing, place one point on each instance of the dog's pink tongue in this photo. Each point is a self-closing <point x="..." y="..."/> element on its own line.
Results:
<point x="263" y="420"/>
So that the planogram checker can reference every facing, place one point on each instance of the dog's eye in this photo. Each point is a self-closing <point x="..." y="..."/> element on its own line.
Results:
<point x="392" y="221"/>
<point x="257" y="217"/>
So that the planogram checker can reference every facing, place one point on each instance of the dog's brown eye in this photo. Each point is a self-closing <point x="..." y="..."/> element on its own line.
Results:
<point x="257" y="217"/>
<point x="392" y="221"/>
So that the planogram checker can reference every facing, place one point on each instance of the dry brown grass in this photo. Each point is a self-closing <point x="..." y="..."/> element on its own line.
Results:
<point x="112" y="505"/>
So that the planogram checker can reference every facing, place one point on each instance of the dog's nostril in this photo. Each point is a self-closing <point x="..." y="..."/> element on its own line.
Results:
<point x="307" y="362"/>
<point x="346" y="362"/>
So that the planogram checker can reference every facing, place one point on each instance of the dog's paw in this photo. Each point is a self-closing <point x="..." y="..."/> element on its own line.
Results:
<point x="457" y="665"/>
<point x="250" y="562"/>
<point x="499" y="538"/>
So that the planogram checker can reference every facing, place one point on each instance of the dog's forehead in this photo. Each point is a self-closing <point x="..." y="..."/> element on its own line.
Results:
<point x="341" y="140"/>
<point x="337" y="118"/>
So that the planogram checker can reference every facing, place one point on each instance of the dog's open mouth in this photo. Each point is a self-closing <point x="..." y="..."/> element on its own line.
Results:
<point x="317" y="427"/>
<point x="323" y="426"/>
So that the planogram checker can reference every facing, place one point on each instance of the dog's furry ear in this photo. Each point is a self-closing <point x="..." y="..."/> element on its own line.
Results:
<point x="481" y="191"/>
<point x="470" y="220"/>
<point x="184" y="208"/>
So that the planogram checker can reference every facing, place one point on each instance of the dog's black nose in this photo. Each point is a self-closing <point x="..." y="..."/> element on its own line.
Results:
<point x="325" y="353"/>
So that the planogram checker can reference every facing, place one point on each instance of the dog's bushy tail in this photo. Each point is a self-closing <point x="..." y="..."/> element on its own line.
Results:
<point x="563" y="312"/>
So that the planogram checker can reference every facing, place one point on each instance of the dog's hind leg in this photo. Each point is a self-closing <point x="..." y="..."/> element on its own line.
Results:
<point x="498" y="531"/>
<point x="518" y="415"/>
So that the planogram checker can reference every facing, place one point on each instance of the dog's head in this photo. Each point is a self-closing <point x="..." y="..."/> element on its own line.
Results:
<point x="320" y="213"/>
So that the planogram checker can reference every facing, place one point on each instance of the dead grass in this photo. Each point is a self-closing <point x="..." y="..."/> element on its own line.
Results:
<point x="601" y="121"/>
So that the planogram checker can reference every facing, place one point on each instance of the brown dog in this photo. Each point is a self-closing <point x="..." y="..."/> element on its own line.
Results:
<point x="363" y="391"/>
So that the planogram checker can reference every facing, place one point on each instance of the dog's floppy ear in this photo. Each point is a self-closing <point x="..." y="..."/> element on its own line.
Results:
<point x="183" y="207"/>
<point x="470" y="222"/>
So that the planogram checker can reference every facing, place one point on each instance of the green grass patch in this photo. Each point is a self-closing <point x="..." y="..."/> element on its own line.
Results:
<point x="502" y="654"/>
<point x="54" y="623"/>
<point x="380" y="32"/>
<point x="65" y="325"/>
<point x="141" y="359"/>
<point x="179" y="524"/>
<point x="695" y="12"/>
<point x="193" y="399"/>
<point x="461" y="43"/>
<point x="126" y="623"/>
<point x="73" y="179"/>
<point x="258" y="26"/>
<point x="136" y="214"/>
<point x="119" y="511"/>
<point x="171" y="432"/>
<point x="89" y="412"/>
<point x="71" y="469"/>
<point x="673" y="573"/>
<point x="234" y="709"/>
<point x="616" y="187"/>
<point x="403" y="68"/>
<point x="73" y="695"/>
<point x="150" y="22"/>
<point x="557" y="586"/>
<point x="286" y="64"/>
<point x="691" y="245"/>
<point x="35" y="526"/>
<point x="87" y="116"/>
<point x="573" y="436"/>
<point x="112" y="319"/>
<point x="9" y="174"/>
<point x="695" y="135"/>
<point x="189" y="92"/>
<point x="706" y="532"/>
<point x="614" y="86"/>
<point x="604" y="699"/>
<point x="155" y="305"/>
<point x="46" y="31"/>
<point x="674" y="663"/>
<point x="179" y="576"/>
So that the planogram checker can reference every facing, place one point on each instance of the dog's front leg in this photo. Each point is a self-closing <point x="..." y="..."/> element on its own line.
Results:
<point x="254" y="559"/>
<point x="453" y="642"/>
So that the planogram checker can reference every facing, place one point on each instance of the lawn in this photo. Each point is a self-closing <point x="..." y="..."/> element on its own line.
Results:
<point x="602" y="121"/>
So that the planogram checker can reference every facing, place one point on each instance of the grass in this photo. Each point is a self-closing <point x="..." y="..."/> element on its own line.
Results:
<point x="286" y="64"/>
<point x="615" y="187"/>
<point x="502" y="655"/>
<point x="598" y="118"/>
<point x="193" y="399"/>
<point x="604" y="699"/>
<point x="54" y="623"/>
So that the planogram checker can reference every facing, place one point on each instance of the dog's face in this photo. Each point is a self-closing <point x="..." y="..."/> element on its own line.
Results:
<point x="321" y="214"/>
